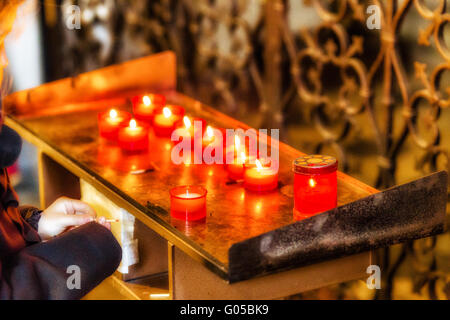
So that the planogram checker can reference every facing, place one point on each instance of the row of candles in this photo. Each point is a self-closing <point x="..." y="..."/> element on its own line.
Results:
<point x="314" y="180"/>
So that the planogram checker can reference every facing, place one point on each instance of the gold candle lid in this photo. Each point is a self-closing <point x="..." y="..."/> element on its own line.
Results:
<point x="315" y="164"/>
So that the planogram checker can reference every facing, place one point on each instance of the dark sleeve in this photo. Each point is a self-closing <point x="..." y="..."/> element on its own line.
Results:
<point x="43" y="270"/>
<point x="31" y="215"/>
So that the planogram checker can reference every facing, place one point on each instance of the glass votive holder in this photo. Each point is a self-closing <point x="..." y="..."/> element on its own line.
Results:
<point x="260" y="177"/>
<point x="315" y="185"/>
<point x="109" y="123"/>
<point x="188" y="203"/>
<point x="134" y="137"/>
<point x="166" y="119"/>
<point x="144" y="106"/>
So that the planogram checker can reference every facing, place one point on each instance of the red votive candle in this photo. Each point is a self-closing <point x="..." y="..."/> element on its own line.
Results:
<point x="258" y="177"/>
<point x="145" y="105"/>
<point x="188" y="203"/>
<point x="109" y="123"/>
<point x="166" y="120"/>
<point x="134" y="137"/>
<point x="315" y="185"/>
<point x="188" y="125"/>
<point x="236" y="168"/>
<point x="210" y="139"/>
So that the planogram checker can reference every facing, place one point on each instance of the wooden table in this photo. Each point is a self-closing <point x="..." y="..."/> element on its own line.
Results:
<point x="177" y="261"/>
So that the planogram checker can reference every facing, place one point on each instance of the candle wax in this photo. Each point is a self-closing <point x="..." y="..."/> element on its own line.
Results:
<point x="109" y="126"/>
<point x="164" y="123"/>
<point x="133" y="138"/>
<point x="145" y="106"/>
<point x="189" y="206"/>
<point x="263" y="179"/>
<point x="189" y="195"/>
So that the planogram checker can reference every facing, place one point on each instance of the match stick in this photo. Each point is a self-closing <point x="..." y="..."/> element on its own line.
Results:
<point x="112" y="220"/>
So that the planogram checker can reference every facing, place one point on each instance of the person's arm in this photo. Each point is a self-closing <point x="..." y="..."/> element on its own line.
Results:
<point x="63" y="214"/>
<point x="31" y="215"/>
<point x="49" y="270"/>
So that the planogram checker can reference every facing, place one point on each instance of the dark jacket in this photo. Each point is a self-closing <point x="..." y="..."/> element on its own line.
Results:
<point x="31" y="269"/>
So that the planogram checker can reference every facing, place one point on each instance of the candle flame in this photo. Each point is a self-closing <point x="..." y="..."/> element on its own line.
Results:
<point x="146" y="100"/>
<point x="259" y="167"/>
<point x="312" y="182"/>
<point x="113" y="113"/>
<point x="209" y="131"/>
<point x="133" y="124"/>
<point x="243" y="157"/>
<point x="187" y="122"/>
<point x="237" y="143"/>
<point x="167" y="113"/>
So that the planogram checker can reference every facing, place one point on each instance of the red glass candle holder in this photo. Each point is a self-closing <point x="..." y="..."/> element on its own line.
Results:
<point x="188" y="123"/>
<point x="166" y="119"/>
<point x="144" y="106"/>
<point x="210" y="139"/>
<point x="134" y="137"/>
<point x="315" y="185"/>
<point x="109" y="123"/>
<point x="177" y="111"/>
<point x="235" y="170"/>
<point x="188" y="203"/>
<point x="260" y="177"/>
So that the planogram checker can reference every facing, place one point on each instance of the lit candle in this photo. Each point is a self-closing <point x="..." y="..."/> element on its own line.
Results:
<point x="144" y="106"/>
<point x="236" y="168"/>
<point x="188" y="203"/>
<point x="188" y="125"/>
<point x="208" y="137"/>
<point x="166" y="119"/>
<point x="260" y="178"/>
<point x="211" y="139"/>
<point x="315" y="185"/>
<point x="134" y="137"/>
<point x="110" y="121"/>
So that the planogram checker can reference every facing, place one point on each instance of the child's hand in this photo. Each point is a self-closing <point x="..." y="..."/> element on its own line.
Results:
<point x="104" y="222"/>
<point x="62" y="214"/>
